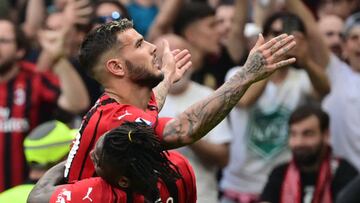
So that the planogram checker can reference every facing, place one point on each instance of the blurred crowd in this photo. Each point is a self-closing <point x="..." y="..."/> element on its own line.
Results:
<point x="294" y="137"/>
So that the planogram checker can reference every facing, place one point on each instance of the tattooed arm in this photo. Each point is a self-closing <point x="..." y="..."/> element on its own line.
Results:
<point x="200" y="118"/>
<point x="45" y="187"/>
<point x="174" y="65"/>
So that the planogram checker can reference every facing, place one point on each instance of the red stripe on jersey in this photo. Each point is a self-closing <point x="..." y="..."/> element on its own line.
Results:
<point x="107" y="114"/>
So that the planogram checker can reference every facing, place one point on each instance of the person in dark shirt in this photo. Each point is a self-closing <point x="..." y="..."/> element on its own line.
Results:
<point x="350" y="194"/>
<point x="314" y="174"/>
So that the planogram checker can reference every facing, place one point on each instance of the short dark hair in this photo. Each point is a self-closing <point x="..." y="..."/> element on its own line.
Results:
<point x="20" y="38"/>
<point x="134" y="149"/>
<point x="190" y="13"/>
<point x="100" y="40"/>
<point x="291" y="23"/>
<point x="306" y="111"/>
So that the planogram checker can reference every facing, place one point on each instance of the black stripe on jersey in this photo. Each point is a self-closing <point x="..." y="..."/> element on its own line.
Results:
<point x="129" y="196"/>
<point x="90" y="146"/>
<point x="107" y="101"/>
<point x="7" y="138"/>
<point x="28" y="98"/>
<point x="114" y="195"/>
<point x="173" y="190"/>
<point x="50" y="85"/>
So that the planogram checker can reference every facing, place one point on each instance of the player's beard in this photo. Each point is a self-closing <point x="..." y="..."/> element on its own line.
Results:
<point x="6" y="66"/>
<point x="305" y="157"/>
<point x="142" y="76"/>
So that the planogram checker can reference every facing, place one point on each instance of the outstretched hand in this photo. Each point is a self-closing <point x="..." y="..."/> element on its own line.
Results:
<point x="265" y="58"/>
<point x="175" y="63"/>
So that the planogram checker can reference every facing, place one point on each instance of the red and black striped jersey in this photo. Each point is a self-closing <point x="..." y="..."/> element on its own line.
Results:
<point x="97" y="190"/>
<point x="105" y="115"/>
<point x="22" y="102"/>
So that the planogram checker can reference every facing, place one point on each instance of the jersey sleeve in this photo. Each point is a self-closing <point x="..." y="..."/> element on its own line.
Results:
<point x="160" y="125"/>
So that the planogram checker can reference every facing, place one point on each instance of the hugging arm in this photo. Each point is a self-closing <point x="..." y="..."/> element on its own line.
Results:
<point x="46" y="186"/>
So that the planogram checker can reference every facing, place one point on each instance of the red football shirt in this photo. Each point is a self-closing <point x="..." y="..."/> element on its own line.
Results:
<point x="96" y="190"/>
<point x="105" y="115"/>
<point x="22" y="99"/>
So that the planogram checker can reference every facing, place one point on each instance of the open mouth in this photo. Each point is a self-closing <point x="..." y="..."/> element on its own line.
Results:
<point x="156" y="63"/>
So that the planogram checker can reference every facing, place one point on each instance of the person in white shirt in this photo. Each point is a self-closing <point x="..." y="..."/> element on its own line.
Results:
<point x="210" y="153"/>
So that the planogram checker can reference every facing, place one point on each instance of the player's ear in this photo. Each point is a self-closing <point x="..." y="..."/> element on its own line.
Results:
<point x="115" y="66"/>
<point x="123" y="182"/>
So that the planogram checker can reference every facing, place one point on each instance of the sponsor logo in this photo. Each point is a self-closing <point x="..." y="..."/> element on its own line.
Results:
<point x="125" y="114"/>
<point x="64" y="196"/>
<point x="141" y="120"/>
<point x="87" y="196"/>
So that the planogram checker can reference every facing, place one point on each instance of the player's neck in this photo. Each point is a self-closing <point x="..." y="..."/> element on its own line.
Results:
<point x="131" y="94"/>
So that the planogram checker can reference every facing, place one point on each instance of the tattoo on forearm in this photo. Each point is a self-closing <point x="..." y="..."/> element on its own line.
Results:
<point x="160" y="94"/>
<point x="200" y="118"/>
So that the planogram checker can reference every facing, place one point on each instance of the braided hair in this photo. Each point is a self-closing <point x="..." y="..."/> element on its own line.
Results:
<point x="134" y="149"/>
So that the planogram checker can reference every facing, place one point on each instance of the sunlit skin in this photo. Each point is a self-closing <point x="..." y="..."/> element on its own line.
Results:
<point x="306" y="139"/>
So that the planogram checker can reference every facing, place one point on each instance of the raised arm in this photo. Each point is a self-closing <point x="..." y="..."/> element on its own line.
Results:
<point x="174" y="65"/>
<point x="200" y="118"/>
<point x="35" y="16"/>
<point x="318" y="49"/>
<point x="237" y="42"/>
<point x="74" y="97"/>
<point x="165" y="19"/>
<point x="45" y="187"/>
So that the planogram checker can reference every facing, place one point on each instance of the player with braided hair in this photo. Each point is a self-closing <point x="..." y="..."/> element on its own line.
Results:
<point x="132" y="167"/>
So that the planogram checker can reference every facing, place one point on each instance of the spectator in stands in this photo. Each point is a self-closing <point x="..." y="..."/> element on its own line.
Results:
<point x="259" y="124"/>
<point x="314" y="174"/>
<point x="29" y="98"/>
<point x="343" y="103"/>
<point x="331" y="27"/>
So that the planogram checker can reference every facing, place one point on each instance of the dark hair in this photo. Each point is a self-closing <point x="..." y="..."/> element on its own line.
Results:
<point x="190" y="13"/>
<point x="134" y="149"/>
<point x="100" y="40"/>
<point x="291" y="23"/>
<point x="20" y="38"/>
<point x="306" y="111"/>
<point x="226" y="3"/>
<point x="120" y="6"/>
